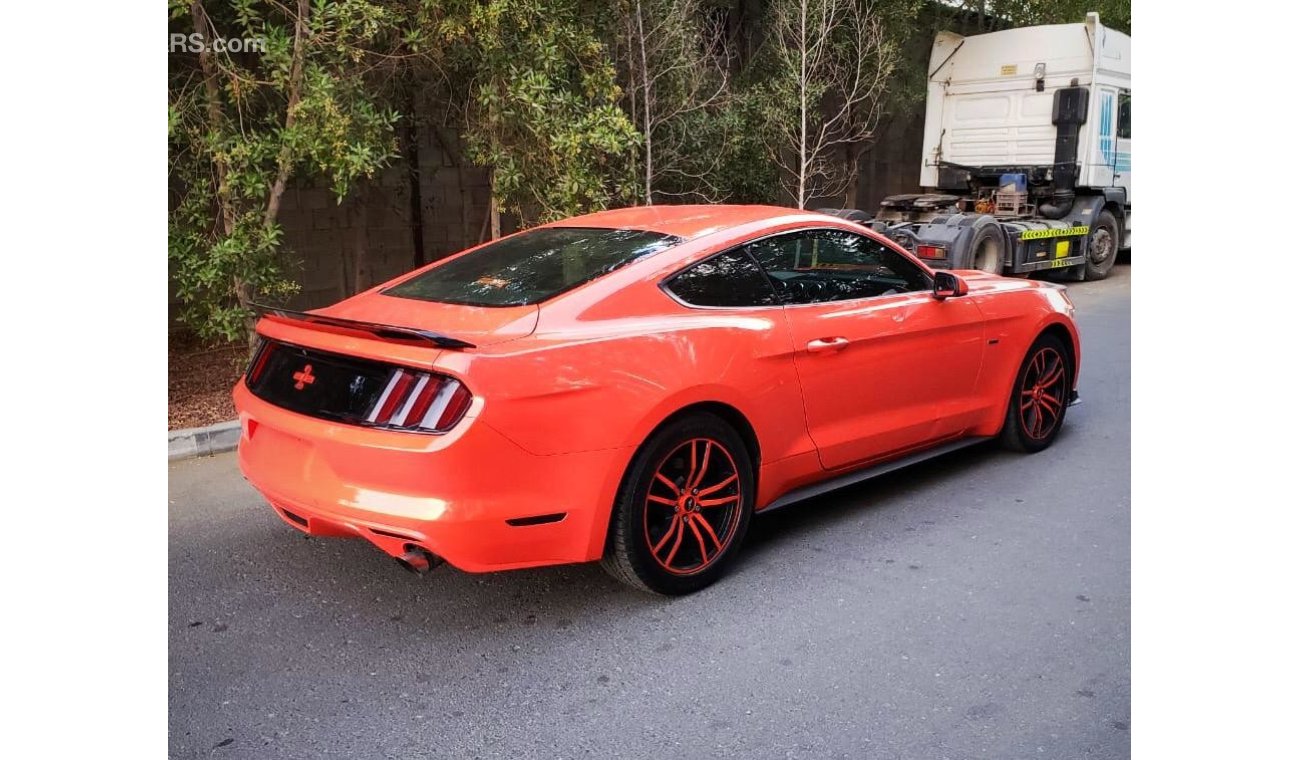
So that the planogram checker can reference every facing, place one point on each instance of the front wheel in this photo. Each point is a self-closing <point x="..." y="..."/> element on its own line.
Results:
<point x="1103" y="247"/>
<point x="683" y="508"/>
<point x="1039" y="397"/>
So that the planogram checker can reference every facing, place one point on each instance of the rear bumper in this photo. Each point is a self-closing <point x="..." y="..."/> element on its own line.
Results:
<point x="450" y="494"/>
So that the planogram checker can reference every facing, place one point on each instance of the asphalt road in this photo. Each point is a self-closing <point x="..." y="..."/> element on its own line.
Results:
<point x="973" y="606"/>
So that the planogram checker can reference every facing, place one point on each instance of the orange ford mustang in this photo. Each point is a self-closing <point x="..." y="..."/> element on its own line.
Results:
<point x="632" y="386"/>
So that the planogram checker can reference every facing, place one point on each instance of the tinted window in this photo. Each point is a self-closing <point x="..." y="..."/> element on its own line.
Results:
<point x="1124" y="127"/>
<point x="728" y="279"/>
<point x="532" y="266"/>
<point x="829" y="265"/>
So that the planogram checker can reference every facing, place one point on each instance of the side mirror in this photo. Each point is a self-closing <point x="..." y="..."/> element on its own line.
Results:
<point x="948" y="285"/>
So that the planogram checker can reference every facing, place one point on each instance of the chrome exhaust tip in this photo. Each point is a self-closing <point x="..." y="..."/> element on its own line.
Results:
<point x="418" y="560"/>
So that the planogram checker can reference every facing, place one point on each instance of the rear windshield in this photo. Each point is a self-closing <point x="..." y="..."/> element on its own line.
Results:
<point x="532" y="267"/>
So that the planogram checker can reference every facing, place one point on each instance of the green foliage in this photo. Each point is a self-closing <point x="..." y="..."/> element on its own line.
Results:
<point x="241" y="125"/>
<point x="745" y="174"/>
<point x="545" y="113"/>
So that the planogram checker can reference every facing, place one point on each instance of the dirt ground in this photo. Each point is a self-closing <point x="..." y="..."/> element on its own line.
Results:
<point x="199" y="379"/>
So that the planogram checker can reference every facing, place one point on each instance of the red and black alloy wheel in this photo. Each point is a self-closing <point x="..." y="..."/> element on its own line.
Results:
<point x="1043" y="393"/>
<point x="1040" y="396"/>
<point x="693" y="506"/>
<point x="683" y="508"/>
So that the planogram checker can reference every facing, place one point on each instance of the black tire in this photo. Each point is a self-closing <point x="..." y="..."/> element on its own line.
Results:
<point x="1103" y="247"/>
<point x="986" y="251"/>
<point x="641" y="519"/>
<point x="1033" y="429"/>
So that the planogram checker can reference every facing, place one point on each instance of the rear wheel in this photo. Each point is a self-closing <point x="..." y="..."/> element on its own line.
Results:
<point x="683" y="508"/>
<point x="987" y="246"/>
<point x="1039" y="397"/>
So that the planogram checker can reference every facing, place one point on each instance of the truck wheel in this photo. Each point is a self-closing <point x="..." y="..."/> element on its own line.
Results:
<point x="1103" y="247"/>
<point x="985" y="250"/>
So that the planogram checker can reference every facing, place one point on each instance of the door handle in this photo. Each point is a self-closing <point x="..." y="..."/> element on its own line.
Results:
<point x="827" y="344"/>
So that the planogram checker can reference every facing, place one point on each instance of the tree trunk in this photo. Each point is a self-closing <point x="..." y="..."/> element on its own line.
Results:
<point x="801" y="201"/>
<point x="494" y="212"/>
<point x="851" y="156"/>
<point x="647" y="128"/>
<point x="410" y="136"/>
<point x="284" y="162"/>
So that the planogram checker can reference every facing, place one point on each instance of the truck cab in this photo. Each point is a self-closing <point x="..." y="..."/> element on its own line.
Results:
<point x="1026" y="164"/>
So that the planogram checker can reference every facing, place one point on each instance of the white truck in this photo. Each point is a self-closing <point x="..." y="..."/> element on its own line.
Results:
<point x="1026" y="160"/>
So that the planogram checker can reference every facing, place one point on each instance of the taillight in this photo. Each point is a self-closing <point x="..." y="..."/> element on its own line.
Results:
<point x="260" y="357"/>
<point x="421" y="401"/>
<point x="931" y="252"/>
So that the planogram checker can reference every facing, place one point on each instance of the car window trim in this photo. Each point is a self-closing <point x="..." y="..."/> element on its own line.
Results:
<point x="663" y="283"/>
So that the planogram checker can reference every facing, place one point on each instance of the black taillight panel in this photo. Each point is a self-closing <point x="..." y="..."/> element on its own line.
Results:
<point x="354" y="390"/>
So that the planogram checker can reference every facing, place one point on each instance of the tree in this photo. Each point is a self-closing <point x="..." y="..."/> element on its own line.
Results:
<point x="1006" y="14"/>
<point x="241" y="125"/>
<point x="830" y="62"/>
<point x="677" y="67"/>
<point x="544" y="113"/>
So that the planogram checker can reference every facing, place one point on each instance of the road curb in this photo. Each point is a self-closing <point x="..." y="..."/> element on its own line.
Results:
<point x="202" y="441"/>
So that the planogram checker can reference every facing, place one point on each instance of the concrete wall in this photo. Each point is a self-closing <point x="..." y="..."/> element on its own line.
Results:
<point x="367" y="239"/>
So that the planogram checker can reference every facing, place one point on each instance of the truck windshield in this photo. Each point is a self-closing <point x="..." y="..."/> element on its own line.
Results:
<point x="531" y="267"/>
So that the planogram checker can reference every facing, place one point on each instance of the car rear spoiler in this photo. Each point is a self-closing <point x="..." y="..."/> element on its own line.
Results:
<point x="380" y="331"/>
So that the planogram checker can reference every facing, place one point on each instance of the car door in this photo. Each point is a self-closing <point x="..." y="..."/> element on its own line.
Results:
<point x="884" y="366"/>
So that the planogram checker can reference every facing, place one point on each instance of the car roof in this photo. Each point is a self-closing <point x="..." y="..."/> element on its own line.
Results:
<point x="686" y="222"/>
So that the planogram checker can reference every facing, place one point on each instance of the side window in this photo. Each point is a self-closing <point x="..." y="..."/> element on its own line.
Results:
<point x="1124" y="128"/>
<point x="830" y="265"/>
<point x="728" y="279"/>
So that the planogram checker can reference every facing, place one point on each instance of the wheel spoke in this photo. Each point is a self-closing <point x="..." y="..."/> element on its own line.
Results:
<point x="661" y="500"/>
<point x="717" y="486"/>
<point x="1053" y="401"/>
<point x="672" y="528"/>
<point x="718" y="502"/>
<point x="699" y="537"/>
<point x="681" y="531"/>
<point x="1033" y="420"/>
<point x="699" y="518"/>
<point x="704" y="466"/>
<point x="690" y="473"/>
<point x="1053" y="376"/>
<point x="664" y="479"/>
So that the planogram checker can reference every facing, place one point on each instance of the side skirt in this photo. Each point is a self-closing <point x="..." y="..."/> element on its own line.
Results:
<point x="867" y="473"/>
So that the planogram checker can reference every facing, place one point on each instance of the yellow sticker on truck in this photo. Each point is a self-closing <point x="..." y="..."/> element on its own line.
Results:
<point x="1056" y="232"/>
<point x="1063" y="249"/>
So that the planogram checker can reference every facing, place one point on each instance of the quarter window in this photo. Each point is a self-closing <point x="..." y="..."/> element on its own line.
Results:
<point x="831" y="265"/>
<point x="730" y="279"/>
